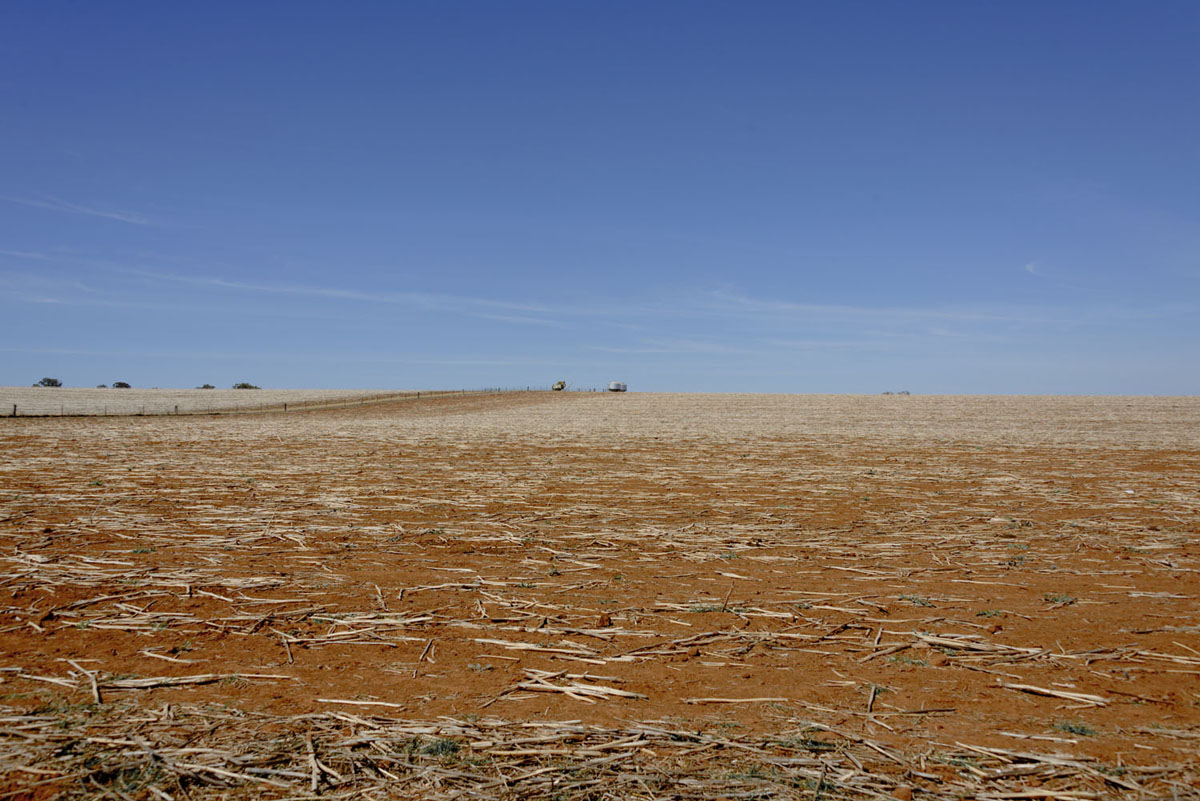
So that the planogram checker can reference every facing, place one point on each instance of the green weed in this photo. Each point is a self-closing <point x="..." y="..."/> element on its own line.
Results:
<point x="901" y="659"/>
<point x="441" y="747"/>
<point x="1075" y="727"/>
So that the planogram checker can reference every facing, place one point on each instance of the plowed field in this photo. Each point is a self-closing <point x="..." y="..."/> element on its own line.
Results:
<point x="559" y="595"/>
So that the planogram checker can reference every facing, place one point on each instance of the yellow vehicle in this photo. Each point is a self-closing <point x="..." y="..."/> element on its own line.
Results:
<point x="559" y="386"/>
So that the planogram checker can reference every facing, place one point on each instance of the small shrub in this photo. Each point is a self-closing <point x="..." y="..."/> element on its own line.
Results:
<point x="121" y="385"/>
<point x="102" y="386"/>
<point x="206" y="386"/>
<point x="1075" y="727"/>
<point x="1058" y="598"/>
<point x="901" y="659"/>
<point x="245" y="385"/>
<point x="441" y="747"/>
<point x="807" y="741"/>
<point x="916" y="599"/>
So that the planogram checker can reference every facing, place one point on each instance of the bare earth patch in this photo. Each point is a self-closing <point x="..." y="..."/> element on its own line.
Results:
<point x="606" y="596"/>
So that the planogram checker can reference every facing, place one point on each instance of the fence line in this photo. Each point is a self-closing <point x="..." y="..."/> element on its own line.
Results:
<point x="170" y="409"/>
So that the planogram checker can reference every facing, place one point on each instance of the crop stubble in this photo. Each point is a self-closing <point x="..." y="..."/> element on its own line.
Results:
<point x="575" y="595"/>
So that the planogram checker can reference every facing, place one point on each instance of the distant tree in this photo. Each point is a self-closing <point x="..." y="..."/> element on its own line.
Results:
<point x="120" y="385"/>
<point x="102" y="386"/>
<point x="245" y="385"/>
<point x="49" y="382"/>
<point x="206" y="386"/>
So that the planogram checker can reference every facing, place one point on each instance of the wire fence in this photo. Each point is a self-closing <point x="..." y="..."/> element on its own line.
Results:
<point x="71" y="402"/>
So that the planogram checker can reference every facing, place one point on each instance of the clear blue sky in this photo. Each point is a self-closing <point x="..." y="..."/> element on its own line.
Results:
<point x="692" y="196"/>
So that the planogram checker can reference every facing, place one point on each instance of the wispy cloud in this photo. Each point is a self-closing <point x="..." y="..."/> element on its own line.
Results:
<point x="34" y="288"/>
<point x="25" y="254"/>
<point x="831" y="344"/>
<point x="673" y="346"/>
<point x="723" y="323"/>
<point x="424" y="300"/>
<point x="730" y="303"/>
<point x="1032" y="268"/>
<point x="25" y="287"/>
<point x="57" y="204"/>
<point x="519" y="319"/>
<point x="180" y="354"/>
<point x="308" y="357"/>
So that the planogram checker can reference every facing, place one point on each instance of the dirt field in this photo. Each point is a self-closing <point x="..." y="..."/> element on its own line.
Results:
<point x="579" y="596"/>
